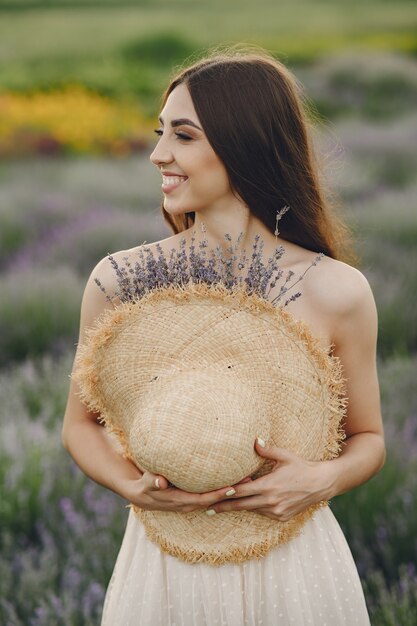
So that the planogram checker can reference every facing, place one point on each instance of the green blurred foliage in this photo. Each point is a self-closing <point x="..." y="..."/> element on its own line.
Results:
<point x="38" y="311"/>
<point x="392" y="605"/>
<point x="163" y="49"/>
<point x="372" y="86"/>
<point x="131" y="50"/>
<point x="59" y="532"/>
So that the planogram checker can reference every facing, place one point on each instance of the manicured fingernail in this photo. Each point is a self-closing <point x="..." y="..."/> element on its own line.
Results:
<point x="261" y="442"/>
<point x="211" y="512"/>
<point x="157" y="483"/>
<point x="231" y="492"/>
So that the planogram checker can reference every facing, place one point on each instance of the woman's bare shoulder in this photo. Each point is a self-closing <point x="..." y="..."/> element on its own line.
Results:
<point x="166" y="245"/>
<point x="340" y="286"/>
<point x="343" y="297"/>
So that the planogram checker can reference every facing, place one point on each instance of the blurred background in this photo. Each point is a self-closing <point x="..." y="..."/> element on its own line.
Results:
<point x="80" y="83"/>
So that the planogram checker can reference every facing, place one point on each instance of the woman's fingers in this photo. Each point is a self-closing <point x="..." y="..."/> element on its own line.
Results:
<point x="153" y="482"/>
<point x="244" y="504"/>
<point x="241" y="489"/>
<point x="155" y="488"/>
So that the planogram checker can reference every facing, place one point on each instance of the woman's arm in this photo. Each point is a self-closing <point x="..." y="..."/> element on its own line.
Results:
<point x="295" y="483"/>
<point x="82" y="435"/>
<point x="355" y="337"/>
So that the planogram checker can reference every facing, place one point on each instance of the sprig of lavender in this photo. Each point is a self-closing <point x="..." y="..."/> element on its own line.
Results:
<point x="290" y="274"/>
<point x="151" y="272"/>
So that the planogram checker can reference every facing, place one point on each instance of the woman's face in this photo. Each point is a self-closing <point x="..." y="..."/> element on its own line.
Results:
<point x="193" y="177"/>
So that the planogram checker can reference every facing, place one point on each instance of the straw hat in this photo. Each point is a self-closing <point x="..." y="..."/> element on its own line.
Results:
<point x="187" y="377"/>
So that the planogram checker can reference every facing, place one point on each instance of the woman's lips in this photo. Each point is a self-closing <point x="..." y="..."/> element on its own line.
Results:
<point x="169" y="183"/>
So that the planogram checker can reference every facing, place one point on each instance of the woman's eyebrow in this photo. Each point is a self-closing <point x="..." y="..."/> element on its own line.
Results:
<point x="180" y="122"/>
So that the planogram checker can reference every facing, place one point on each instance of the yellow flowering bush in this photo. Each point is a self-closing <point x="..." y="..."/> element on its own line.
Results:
<point x="71" y="120"/>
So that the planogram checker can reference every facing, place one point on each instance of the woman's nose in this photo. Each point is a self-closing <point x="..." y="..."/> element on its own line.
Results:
<point x="161" y="155"/>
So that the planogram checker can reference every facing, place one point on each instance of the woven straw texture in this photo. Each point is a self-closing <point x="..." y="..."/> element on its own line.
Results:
<point x="187" y="377"/>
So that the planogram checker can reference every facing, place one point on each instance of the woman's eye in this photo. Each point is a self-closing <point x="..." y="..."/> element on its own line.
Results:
<point x="183" y="136"/>
<point x="159" y="132"/>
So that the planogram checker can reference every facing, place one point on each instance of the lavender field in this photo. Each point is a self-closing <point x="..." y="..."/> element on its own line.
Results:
<point x="59" y="532"/>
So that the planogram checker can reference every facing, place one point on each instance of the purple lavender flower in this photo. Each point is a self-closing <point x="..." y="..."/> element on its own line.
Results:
<point x="72" y="518"/>
<point x="93" y="597"/>
<point x="151" y="272"/>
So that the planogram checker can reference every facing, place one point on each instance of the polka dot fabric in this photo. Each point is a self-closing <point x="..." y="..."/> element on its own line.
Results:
<point x="310" y="581"/>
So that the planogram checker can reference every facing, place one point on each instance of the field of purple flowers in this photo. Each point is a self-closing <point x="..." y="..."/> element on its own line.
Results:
<point x="59" y="532"/>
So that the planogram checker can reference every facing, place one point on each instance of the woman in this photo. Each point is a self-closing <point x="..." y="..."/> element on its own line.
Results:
<point x="233" y="147"/>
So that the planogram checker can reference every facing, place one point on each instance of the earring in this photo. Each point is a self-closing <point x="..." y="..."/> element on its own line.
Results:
<point x="280" y="213"/>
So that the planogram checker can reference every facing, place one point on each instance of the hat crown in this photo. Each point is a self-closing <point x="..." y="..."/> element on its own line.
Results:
<point x="197" y="426"/>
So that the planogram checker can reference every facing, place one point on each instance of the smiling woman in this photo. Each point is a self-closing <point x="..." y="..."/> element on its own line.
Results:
<point x="235" y="157"/>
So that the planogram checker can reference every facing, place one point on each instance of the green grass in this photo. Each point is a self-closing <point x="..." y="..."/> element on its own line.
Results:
<point x="96" y="29"/>
<point x="89" y="43"/>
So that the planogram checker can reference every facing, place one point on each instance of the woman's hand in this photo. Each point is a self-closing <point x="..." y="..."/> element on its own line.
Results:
<point x="154" y="492"/>
<point x="292" y="485"/>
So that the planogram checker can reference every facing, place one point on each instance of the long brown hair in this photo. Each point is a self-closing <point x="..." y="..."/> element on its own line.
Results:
<point x="254" y="114"/>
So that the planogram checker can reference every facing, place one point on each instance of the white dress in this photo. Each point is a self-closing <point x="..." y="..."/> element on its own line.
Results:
<point x="311" y="580"/>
